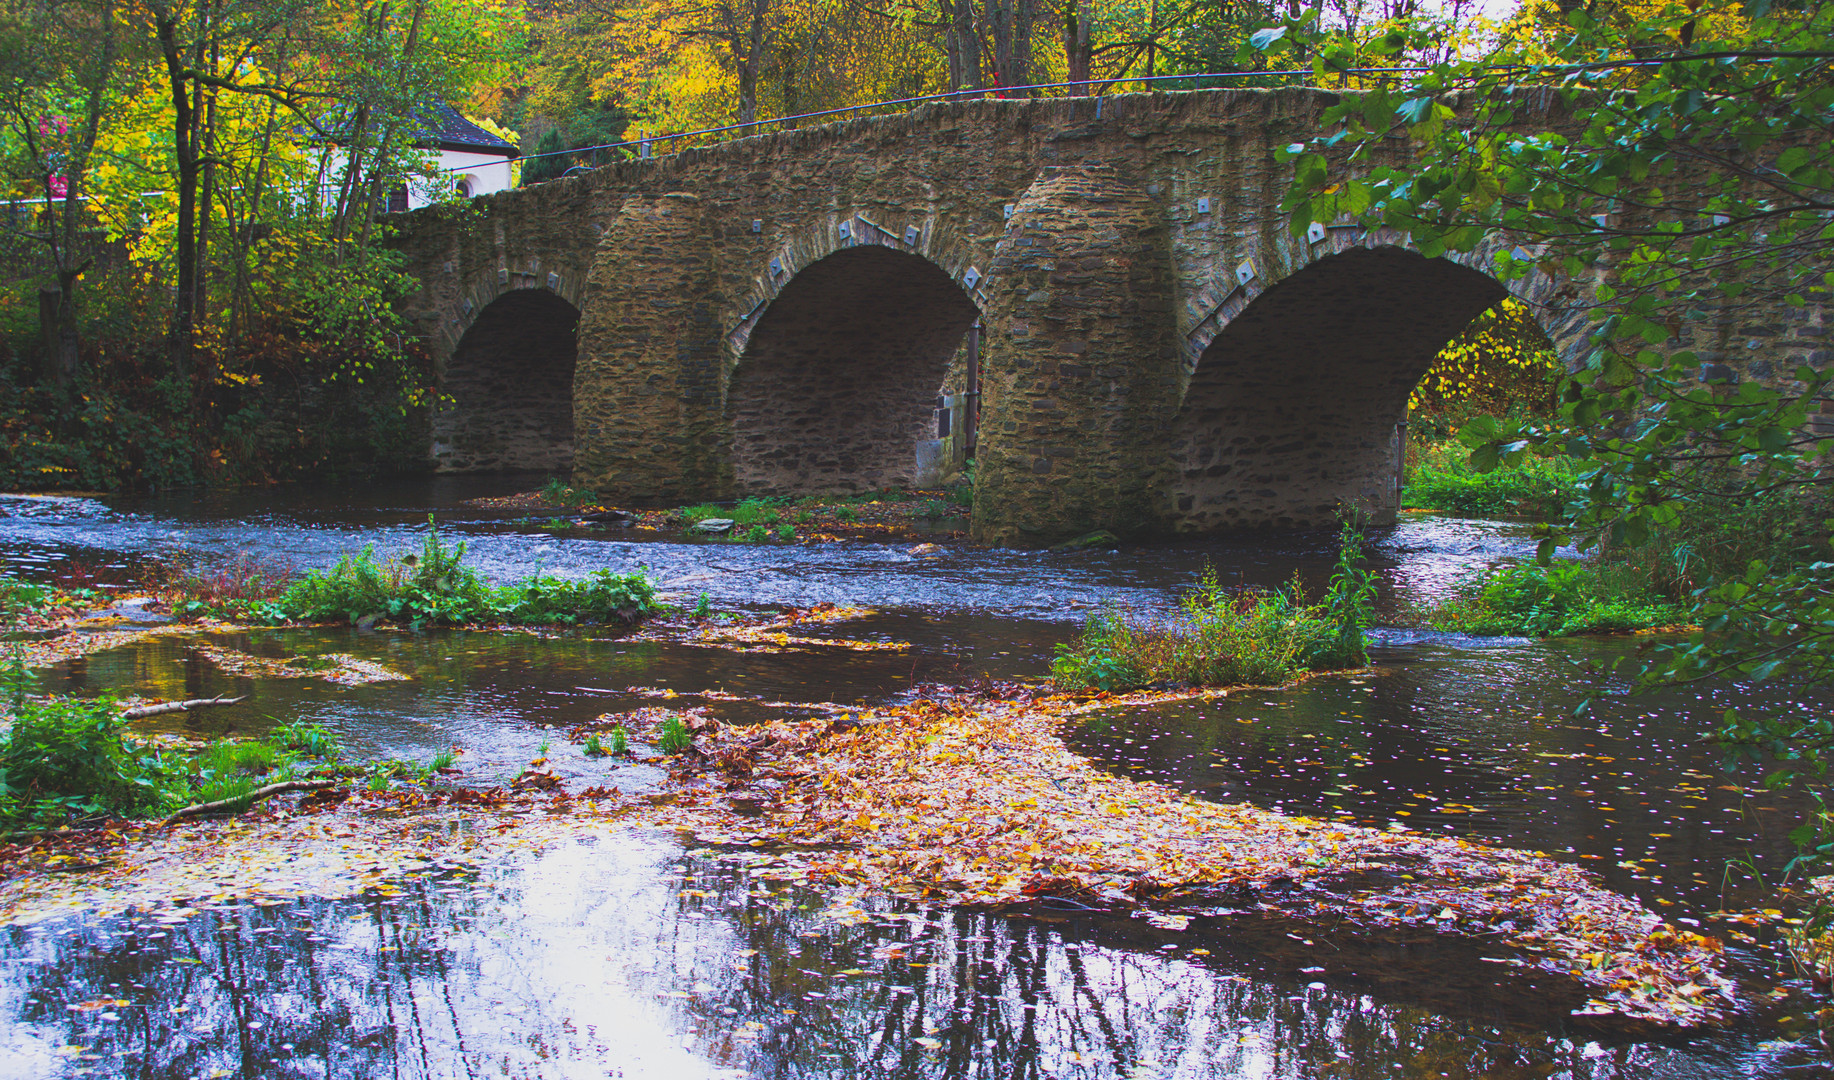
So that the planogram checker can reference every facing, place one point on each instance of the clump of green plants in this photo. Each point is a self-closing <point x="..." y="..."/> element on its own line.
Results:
<point x="557" y="492"/>
<point x="593" y="747"/>
<point x="672" y="736"/>
<point x="757" y="534"/>
<point x="1442" y="477"/>
<point x="1228" y="638"/>
<point x="246" y="588"/>
<point x="1556" y="600"/>
<point x="19" y="598"/>
<point x="935" y="508"/>
<point x="786" y="532"/>
<point x="746" y="512"/>
<point x="601" y="597"/>
<point x="962" y="494"/>
<point x="431" y="588"/>
<point x="435" y="588"/>
<point x="846" y="513"/>
<point x="66" y="760"/>
<point x="620" y="741"/>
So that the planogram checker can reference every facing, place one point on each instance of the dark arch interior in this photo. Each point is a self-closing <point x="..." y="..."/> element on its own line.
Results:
<point x="1294" y="410"/>
<point x="838" y="383"/>
<point x="511" y="384"/>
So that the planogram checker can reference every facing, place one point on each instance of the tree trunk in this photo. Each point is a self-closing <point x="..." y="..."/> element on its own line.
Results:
<point x="1078" y="51"/>
<point x="962" y="41"/>
<point x="50" y="360"/>
<point x="183" y="332"/>
<point x="1012" y="42"/>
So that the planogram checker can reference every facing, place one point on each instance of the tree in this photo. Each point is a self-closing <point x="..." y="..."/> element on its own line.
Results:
<point x="1691" y="154"/>
<point x="57" y="86"/>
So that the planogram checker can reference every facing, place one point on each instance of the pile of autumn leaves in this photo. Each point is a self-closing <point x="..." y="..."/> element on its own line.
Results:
<point x="975" y="801"/>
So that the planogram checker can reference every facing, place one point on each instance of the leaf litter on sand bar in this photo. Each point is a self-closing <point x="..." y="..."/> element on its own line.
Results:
<point x="980" y="802"/>
<point x="972" y="800"/>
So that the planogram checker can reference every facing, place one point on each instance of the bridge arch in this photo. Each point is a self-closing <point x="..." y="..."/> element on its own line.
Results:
<point x="835" y="385"/>
<point x="1293" y="410"/>
<point x="509" y="379"/>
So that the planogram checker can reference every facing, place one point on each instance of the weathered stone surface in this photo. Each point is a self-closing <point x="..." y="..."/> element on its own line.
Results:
<point x="714" y="525"/>
<point x="1081" y="376"/>
<point x="1160" y="353"/>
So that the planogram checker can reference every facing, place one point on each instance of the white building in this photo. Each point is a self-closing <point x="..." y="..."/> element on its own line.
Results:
<point x="461" y="158"/>
<point x="471" y="160"/>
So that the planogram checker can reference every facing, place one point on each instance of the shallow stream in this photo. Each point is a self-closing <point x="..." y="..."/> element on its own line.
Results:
<point x="631" y="954"/>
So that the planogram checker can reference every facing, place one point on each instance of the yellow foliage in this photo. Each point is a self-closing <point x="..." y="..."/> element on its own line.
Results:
<point x="1501" y="362"/>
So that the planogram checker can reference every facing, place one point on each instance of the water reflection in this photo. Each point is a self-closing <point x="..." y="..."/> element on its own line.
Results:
<point x="500" y="696"/>
<point x="1482" y="742"/>
<point x="621" y="956"/>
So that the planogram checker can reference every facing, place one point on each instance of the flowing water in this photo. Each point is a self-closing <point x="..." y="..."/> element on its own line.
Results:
<point x="632" y="955"/>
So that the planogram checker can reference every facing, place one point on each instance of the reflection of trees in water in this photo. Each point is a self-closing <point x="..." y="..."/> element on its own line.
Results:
<point x="560" y="963"/>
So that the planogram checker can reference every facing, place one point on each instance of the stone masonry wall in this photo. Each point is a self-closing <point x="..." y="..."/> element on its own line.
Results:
<point x="511" y="384"/>
<point x="709" y="312"/>
<point x="840" y="379"/>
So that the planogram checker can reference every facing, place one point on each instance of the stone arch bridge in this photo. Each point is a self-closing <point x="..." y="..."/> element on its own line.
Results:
<point x="781" y="314"/>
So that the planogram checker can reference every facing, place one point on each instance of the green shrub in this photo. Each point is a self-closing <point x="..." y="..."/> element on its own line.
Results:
<point x="593" y="747"/>
<point x="431" y="588"/>
<point x="846" y="513"/>
<point x="1556" y="600"/>
<point x="935" y="508"/>
<point x="66" y="759"/>
<point x="757" y="534"/>
<point x="435" y="588"/>
<point x="1228" y="639"/>
<point x="558" y="493"/>
<point x="672" y="737"/>
<point x="600" y="597"/>
<point x="1538" y="489"/>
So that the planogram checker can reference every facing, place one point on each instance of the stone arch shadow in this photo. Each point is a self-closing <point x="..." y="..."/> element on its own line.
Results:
<point x="509" y="379"/>
<point x="1292" y="414"/>
<point x="834" y="388"/>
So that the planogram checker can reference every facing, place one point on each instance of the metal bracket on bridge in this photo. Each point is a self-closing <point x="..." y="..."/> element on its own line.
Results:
<point x="877" y="226"/>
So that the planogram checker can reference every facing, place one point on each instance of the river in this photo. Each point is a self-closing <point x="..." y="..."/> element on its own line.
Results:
<point x="640" y="955"/>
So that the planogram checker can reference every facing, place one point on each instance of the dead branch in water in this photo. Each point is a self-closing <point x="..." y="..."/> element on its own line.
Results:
<point x="140" y="712"/>
<point x="239" y="803"/>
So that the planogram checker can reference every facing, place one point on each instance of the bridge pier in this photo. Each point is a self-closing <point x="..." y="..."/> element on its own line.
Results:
<point x="1081" y="375"/>
<point x="649" y="384"/>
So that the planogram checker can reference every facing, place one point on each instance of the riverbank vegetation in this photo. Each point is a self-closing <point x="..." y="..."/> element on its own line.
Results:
<point x="1228" y="637"/>
<point x="888" y="513"/>
<point x="68" y="760"/>
<point x="429" y="588"/>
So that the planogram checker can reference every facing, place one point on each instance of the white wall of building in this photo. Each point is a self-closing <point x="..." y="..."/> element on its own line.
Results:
<point x="481" y="174"/>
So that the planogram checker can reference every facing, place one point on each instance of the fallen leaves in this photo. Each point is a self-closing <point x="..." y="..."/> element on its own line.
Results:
<point x="772" y="635"/>
<point x="980" y="802"/>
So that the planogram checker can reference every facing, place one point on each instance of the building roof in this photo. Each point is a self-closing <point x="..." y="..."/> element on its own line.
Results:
<point x="445" y="128"/>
